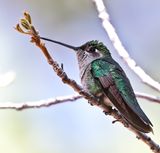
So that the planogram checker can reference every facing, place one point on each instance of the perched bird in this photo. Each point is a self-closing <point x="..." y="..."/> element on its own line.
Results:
<point x="103" y="77"/>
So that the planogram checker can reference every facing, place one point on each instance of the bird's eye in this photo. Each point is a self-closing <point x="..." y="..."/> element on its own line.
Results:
<point x="91" y="49"/>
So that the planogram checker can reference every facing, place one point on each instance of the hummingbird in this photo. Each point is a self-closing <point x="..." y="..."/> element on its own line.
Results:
<point x="103" y="77"/>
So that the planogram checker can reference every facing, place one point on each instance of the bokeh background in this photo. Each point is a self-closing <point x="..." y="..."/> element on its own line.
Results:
<point x="72" y="127"/>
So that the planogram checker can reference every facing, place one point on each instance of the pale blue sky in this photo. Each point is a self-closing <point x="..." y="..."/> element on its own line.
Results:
<point x="72" y="127"/>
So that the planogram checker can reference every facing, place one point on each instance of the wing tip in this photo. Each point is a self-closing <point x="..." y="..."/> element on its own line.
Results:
<point x="143" y="127"/>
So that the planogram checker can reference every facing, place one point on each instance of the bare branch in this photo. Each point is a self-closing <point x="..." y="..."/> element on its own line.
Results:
<point x="39" y="104"/>
<point x="30" y="30"/>
<point x="111" y="32"/>
<point x="63" y="99"/>
<point x="148" y="97"/>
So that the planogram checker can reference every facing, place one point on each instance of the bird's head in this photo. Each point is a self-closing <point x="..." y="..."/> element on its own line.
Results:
<point x="95" y="48"/>
<point x="91" y="48"/>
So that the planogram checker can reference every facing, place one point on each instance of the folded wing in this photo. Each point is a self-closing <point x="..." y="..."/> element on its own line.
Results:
<point x="117" y="88"/>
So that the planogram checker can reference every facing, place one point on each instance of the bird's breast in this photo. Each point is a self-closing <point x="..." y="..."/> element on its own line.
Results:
<point x="84" y="60"/>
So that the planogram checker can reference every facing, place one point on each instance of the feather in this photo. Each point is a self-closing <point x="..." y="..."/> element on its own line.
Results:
<point x="118" y="89"/>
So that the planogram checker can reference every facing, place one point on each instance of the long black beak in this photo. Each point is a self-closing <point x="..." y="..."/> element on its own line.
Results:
<point x="60" y="43"/>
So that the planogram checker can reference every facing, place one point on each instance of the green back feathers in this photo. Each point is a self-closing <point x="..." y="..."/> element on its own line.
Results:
<point x="100" y="68"/>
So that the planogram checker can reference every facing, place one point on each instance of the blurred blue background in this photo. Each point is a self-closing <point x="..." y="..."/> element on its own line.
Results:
<point x="72" y="127"/>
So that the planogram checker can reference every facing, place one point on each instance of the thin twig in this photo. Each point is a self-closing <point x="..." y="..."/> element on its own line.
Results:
<point x="111" y="32"/>
<point x="151" y="98"/>
<point x="30" y="30"/>
<point x="63" y="99"/>
<point x="39" y="104"/>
